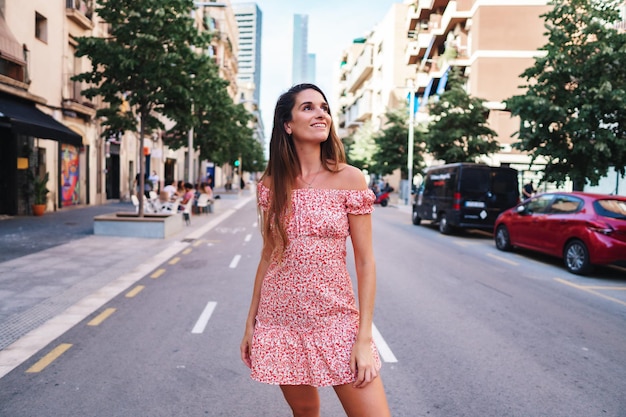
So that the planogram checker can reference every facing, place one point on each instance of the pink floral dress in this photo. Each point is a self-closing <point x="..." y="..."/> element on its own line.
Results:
<point x="307" y="320"/>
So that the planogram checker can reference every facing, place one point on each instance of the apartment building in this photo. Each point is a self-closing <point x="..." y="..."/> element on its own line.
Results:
<point x="250" y="23"/>
<point x="48" y="126"/>
<point x="45" y="124"/>
<point x="491" y="41"/>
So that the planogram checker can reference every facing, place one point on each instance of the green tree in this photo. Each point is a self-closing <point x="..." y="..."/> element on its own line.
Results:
<point x="146" y="61"/>
<point x="360" y="147"/>
<point x="572" y="113"/>
<point x="392" y="145"/>
<point x="220" y="127"/>
<point x="458" y="130"/>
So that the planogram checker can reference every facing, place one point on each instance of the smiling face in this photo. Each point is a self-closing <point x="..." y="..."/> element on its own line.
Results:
<point x="310" y="117"/>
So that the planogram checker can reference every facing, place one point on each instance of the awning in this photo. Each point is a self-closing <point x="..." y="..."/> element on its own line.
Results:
<point x="10" y="48"/>
<point x="26" y="119"/>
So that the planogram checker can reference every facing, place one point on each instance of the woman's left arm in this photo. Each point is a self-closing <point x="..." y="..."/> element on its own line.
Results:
<point x="362" y="360"/>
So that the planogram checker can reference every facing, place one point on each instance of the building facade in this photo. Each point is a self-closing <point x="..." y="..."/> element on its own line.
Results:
<point x="48" y="126"/>
<point x="250" y="25"/>
<point x="491" y="41"/>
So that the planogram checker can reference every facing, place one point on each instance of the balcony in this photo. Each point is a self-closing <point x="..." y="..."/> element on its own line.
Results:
<point x="80" y="12"/>
<point x="74" y="101"/>
<point x="417" y="48"/>
<point x="362" y="69"/>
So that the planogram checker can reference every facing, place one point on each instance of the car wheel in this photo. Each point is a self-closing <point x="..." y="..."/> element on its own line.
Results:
<point x="444" y="226"/>
<point x="503" y="240"/>
<point x="576" y="257"/>
<point x="416" y="218"/>
<point x="384" y="202"/>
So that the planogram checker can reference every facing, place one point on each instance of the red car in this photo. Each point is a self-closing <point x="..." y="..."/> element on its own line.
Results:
<point x="581" y="228"/>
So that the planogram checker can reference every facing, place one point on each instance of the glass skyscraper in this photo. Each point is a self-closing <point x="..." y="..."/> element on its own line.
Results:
<point x="303" y="63"/>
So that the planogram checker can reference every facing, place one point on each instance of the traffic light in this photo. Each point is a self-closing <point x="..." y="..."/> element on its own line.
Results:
<point x="236" y="162"/>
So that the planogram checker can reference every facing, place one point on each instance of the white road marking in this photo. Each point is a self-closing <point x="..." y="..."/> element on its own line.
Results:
<point x="235" y="261"/>
<point x="203" y="320"/>
<point x="383" y="348"/>
<point x="248" y="238"/>
<point x="508" y="261"/>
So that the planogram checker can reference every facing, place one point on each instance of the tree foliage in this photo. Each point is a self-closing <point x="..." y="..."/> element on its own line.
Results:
<point x="572" y="113"/>
<point x="151" y="67"/>
<point x="360" y="147"/>
<point x="392" y="145"/>
<point x="458" y="130"/>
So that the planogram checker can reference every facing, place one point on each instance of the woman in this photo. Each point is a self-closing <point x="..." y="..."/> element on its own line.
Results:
<point x="303" y="329"/>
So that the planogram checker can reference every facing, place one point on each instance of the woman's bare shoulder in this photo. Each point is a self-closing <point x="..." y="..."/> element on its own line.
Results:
<point x="349" y="177"/>
<point x="266" y="180"/>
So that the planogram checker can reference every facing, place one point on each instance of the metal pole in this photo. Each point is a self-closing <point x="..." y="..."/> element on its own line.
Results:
<point x="411" y="145"/>
<point x="190" y="151"/>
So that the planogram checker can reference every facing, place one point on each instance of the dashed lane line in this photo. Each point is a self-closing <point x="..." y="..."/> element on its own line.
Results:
<point x="42" y="363"/>
<point x="235" y="262"/>
<point x="203" y="320"/>
<point x="157" y="273"/>
<point x="132" y="293"/>
<point x="96" y="321"/>
<point x="383" y="348"/>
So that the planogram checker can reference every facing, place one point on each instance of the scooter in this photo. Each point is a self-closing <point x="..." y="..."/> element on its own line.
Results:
<point x="383" y="198"/>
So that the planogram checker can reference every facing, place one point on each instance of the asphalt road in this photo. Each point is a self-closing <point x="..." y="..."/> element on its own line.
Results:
<point x="466" y="331"/>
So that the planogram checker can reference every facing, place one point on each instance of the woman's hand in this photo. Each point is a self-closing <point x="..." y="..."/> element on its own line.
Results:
<point x="246" y="345"/>
<point x="362" y="363"/>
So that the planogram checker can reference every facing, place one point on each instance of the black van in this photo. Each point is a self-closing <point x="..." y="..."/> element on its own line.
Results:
<point x="465" y="195"/>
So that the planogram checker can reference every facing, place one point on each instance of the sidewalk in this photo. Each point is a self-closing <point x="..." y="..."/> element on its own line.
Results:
<point x="53" y="269"/>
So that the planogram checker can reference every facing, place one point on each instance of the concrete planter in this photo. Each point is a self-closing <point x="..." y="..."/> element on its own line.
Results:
<point x="155" y="226"/>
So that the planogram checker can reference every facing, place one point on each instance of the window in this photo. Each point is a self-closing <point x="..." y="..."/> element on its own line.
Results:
<point x="565" y="204"/>
<point x="41" y="27"/>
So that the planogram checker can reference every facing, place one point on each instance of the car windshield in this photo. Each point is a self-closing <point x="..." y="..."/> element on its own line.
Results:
<point x="612" y="208"/>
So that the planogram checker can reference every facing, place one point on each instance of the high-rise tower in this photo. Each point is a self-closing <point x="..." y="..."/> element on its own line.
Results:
<point x="303" y="63"/>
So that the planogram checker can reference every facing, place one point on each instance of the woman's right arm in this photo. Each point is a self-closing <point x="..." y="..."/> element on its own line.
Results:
<point x="246" y="343"/>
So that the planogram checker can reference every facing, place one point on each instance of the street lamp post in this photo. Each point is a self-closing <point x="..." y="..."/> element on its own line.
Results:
<point x="411" y="140"/>
<point x="190" y="150"/>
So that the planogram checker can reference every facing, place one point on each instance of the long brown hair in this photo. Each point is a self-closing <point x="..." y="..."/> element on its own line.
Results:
<point x="283" y="166"/>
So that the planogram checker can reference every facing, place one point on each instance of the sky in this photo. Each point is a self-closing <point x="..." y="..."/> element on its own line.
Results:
<point x="333" y="25"/>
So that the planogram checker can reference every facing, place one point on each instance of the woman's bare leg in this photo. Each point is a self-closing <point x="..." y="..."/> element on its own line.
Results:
<point x="304" y="400"/>
<point x="369" y="401"/>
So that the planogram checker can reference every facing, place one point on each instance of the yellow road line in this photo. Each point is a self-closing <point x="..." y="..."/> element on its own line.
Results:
<point x="508" y="261"/>
<point x="598" y="287"/>
<point x="157" y="273"/>
<point x="101" y="317"/>
<point x="197" y="243"/>
<point x="134" y="291"/>
<point x="174" y="261"/>
<point x="590" y="291"/>
<point x="41" y="364"/>
<point x="187" y="251"/>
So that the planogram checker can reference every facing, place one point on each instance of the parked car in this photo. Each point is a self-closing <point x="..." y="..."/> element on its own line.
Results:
<point x="583" y="229"/>
<point x="465" y="195"/>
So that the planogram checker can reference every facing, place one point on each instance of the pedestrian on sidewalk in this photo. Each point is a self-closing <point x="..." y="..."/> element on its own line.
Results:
<point x="304" y="329"/>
